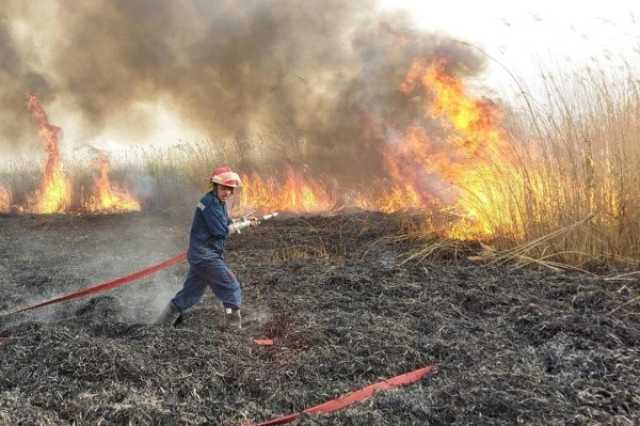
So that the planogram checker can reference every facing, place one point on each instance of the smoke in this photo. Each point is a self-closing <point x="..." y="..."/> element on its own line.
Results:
<point x="305" y="79"/>
<point x="17" y="79"/>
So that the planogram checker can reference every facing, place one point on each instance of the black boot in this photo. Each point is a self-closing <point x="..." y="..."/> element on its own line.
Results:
<point x="169" y="316"/>
<point x="232" y="319"/>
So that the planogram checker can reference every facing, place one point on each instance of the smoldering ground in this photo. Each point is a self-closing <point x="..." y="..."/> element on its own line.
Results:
<point x="303" y="78"/>
<point x="513" y="346"/>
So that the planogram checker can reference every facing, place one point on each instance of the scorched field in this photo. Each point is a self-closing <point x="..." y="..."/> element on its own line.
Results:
<point x="343" y="311"/>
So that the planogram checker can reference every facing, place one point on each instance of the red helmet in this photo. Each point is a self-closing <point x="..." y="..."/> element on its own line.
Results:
<point x="223" y="175"/>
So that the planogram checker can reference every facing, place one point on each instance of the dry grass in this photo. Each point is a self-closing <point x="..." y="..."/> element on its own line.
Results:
<point x="586" y="164"/>
<point x="574" y="156"/>
<point x="536" y="252"/>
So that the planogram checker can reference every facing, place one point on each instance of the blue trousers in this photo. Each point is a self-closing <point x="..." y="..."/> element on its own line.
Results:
<point x="213" y="274"/>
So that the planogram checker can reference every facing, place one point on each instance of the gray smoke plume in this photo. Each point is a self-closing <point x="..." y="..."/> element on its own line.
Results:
<point x="17" y="79"/>
<point x="309" y="75"/>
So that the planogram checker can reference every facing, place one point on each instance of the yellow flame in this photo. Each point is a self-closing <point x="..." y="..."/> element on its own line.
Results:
<point x="5" y="200"/>
<point x="107" y="196"/>
<point x="293" y="193"/>
<point x="479" y="162"/>
<point x="54" y="192"/>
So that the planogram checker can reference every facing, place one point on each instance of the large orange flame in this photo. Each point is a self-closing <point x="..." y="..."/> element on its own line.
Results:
<point x="479" y="136"/>
<point x="108" y="197"/>
<point x="462" y="173"/>
<point x="54" y="192"/>
<point x="478" y="162"/>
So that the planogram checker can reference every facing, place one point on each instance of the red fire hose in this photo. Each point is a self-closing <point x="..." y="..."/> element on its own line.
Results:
<point x="353" y="397"/>
<point x="326" y="407"/>
<point x="244" y="223"/>
<point x="99" y="288"/>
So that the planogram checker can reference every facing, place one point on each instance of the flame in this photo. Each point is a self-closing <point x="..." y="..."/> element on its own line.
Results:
<point x="54" y="192"/>
<point x="475" y="121"/>
<point x="108" y="197"/>
<point x="5" y="200"/>
<point x="478" y="162"/>
<point x="294" y="193"/>
<point x="408" y="163"/>
<point x="463" y="174"/>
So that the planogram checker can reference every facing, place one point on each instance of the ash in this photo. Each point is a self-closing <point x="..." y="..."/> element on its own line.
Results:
<point x="526" y="347"/>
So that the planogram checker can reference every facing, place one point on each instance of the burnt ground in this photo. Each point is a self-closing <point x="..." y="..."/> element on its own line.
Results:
<point x="512" y="346"/>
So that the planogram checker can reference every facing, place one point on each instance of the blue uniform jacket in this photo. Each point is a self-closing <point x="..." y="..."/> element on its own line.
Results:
<point x="209" y="230"/>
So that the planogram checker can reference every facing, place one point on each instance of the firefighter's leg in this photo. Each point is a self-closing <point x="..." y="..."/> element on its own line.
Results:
<point x="226" y="287"/>
<point x="189" y="295"/>
<point x="192" y="291"/>
<point x="169" y="316"/>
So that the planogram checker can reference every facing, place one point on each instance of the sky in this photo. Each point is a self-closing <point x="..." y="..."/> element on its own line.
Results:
<point x="527" y="36"/>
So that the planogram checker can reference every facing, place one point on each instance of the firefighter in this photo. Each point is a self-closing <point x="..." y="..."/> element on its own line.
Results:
<point x="210" y="228"/>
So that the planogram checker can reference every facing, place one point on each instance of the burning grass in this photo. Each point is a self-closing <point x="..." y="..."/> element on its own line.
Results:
<point x="513" y="179"/>
<point x="488" y="174"/>
<point x="5" y="200"/>
<point x="55" y="192"/>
